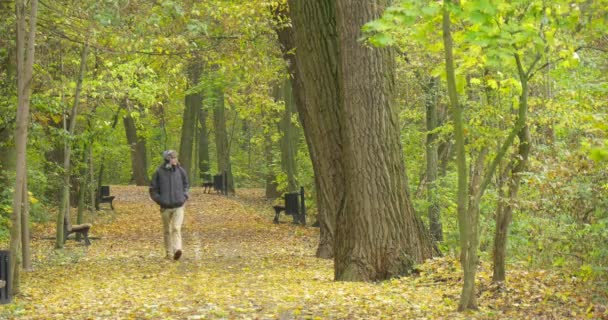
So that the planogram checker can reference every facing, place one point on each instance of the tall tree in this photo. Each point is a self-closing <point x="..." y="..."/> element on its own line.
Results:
<point x="378" y="234"/>
<point x="25" y="230"/>
<point x="204" y="165"/>
<point x="289" y="138"/>
<point x="25" y="61"/>
<point x="314" y="71"/>
<point x="431" y="158"/>
<point x="193" y="105"/>
<point x="137" y="144"/>
<point x="221" y="139"/>
<point x="515" y="168"/>
<point x="64" y="212"/>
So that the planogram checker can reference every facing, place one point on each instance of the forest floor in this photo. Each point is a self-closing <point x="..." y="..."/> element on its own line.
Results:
<point x="237" y="264"/>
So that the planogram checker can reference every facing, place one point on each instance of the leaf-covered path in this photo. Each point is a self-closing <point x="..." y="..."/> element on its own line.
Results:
<point x="238" y="265"/>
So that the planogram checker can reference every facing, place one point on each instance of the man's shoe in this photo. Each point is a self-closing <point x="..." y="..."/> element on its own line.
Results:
<point x="177" y="255"/>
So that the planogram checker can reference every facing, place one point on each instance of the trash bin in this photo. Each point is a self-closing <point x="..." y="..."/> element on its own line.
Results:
<point x="5" y="290"/>
<point x="291" y="203"/>
<point x="218" y="182"/>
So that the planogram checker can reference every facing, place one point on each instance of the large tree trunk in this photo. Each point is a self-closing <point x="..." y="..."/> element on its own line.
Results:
<point x="271" y="186"/>
<point x="91" y="178"/>
<point x="289" y="139"/>
<point x="204" y="165"/>
<point x="193" y="105"/>
<point x="378" y="234"/>
<point x="65" y="199"/>
<point x="221" y="139"/>
<point x="25" y="230"/>
<point x="99" y="181"/>
<point x="432" y="160"/>
<point x="317" y="94"/>
<point x="137" y="143"/>
<point x="83" y="182"/>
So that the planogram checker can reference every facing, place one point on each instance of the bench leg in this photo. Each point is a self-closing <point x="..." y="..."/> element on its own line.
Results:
<point x="112" y="205"/>
<point x="276" y="215"/>
<point x="87" y="242"/>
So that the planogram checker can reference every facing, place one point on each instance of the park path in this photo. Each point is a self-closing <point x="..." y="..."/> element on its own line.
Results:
<point x="215" y="227"/>
<point x="237" y="264"/>
<point x="235" y="261"/>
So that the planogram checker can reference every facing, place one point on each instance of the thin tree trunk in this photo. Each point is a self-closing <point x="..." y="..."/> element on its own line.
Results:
<point x="432" y="161"/>
<point x="314" y="72"/>
<point x="65" y="202"/>
<point x="465" y="221"/>
<point x="82" y="190"/>
<point x="518" y="166"/>
<point x="99" y="181"/>
<point x="378" y="234"/>
<point x="25" y="229"/>
<point x="25" y="60"/>
<point x="271" y="187"/>
<point x="91" y="178"/>
<point x="500" y="235"/>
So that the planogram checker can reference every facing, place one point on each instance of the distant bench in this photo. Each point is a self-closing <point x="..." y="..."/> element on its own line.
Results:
<point x="219" y="184"/>
<point x="294" y="206"/>
<point x="82" y="229"/>
<point x="104" y="197"/>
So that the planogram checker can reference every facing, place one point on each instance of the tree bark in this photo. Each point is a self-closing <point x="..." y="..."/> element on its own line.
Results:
<point x="288" y="142"/>
<point x="137" y="143"/>
<point x="25" y="230"/>
<point x="432" y="160"/>
<point x="378" y="235"/>
<point x="91" y="178"/>
<point x="314" y="72"/>
<point x="82" y="190"/>
<point x="25" y="61"/>
<point x="65" y="199"/>
<point x="465" y="221"/>
<point x="271" y="187"/>
<point x="193" y="105"/>
<point x="518" y="166"/>
<point x="221" y="139"/>
<point x="99" y="181"/>
<point x="204" y="164"/>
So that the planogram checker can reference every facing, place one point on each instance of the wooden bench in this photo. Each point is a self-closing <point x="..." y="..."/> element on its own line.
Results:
<point x="207" y="187"/>
<point x="104" y="197"/>
<point x="277" y="211"/>
<point x="82" y="229"/>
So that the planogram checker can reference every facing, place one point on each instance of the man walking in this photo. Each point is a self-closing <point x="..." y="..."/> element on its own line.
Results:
<point x="169" y="189"/>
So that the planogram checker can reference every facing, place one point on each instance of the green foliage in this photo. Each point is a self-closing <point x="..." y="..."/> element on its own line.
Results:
<point x="562" y="242"/>
<point x="6" y="208"/>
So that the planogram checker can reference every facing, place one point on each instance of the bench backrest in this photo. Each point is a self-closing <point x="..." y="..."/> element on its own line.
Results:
<point x="105" y="191"/>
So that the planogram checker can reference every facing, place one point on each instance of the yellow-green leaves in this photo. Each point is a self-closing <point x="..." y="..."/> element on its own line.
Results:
<point x="237" y="264"/>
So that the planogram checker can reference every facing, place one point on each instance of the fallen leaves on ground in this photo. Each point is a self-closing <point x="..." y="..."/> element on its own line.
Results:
<point x="237" y="264"/>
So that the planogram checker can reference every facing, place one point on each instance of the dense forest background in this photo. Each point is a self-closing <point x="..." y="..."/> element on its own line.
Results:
<point x="116" y="82"/>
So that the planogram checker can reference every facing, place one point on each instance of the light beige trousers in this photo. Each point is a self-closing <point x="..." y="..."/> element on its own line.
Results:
<point x="172" y="229"/>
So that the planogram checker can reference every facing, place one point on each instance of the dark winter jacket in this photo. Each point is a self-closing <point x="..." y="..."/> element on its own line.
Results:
<point x="169" y="186"/>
